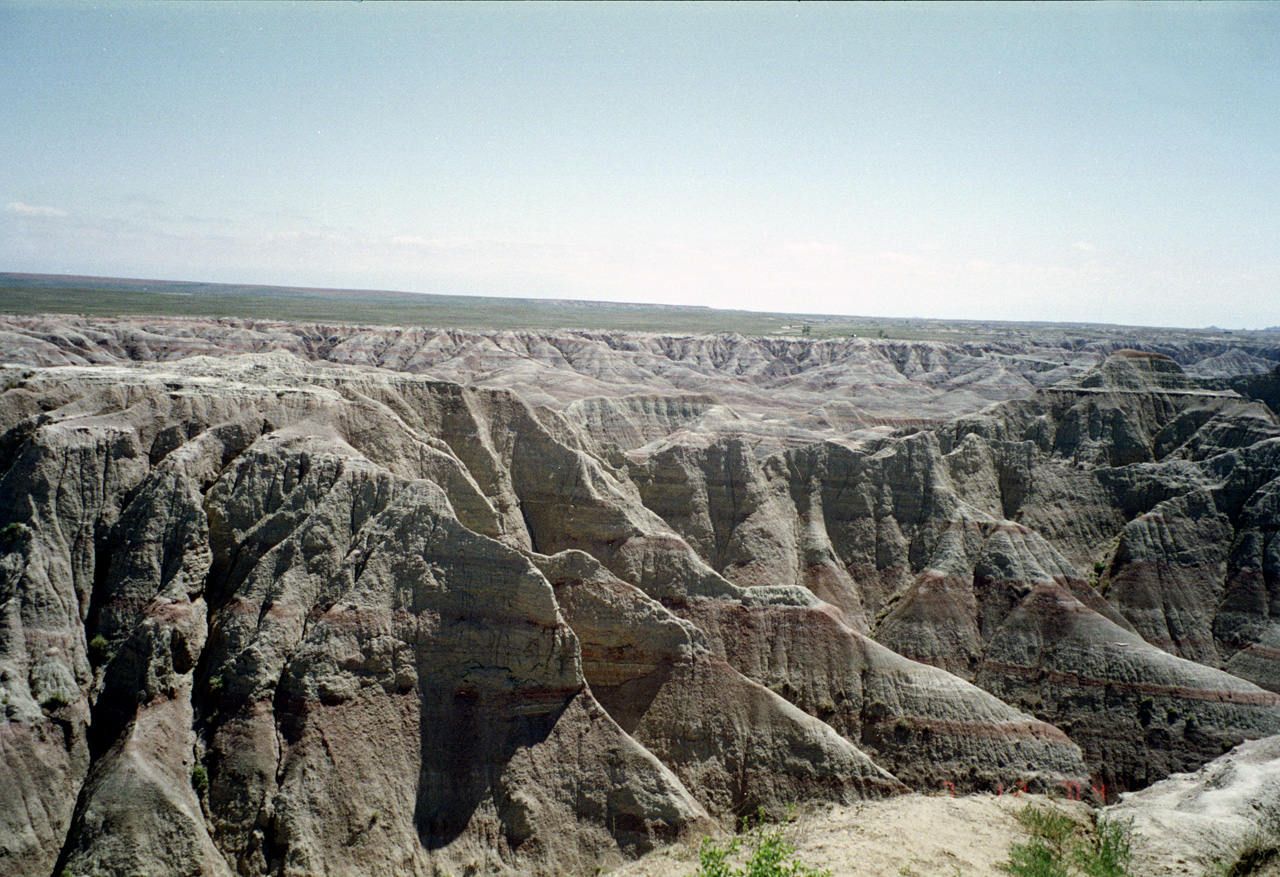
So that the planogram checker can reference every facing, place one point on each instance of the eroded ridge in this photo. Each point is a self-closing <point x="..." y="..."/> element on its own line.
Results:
<point x="299" y="619"/>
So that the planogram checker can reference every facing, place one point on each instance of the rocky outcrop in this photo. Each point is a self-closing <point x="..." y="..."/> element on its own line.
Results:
<point x="1223" y="817"/>
<point x="263" y="615"/>
<point x="281" y="648"/>
<point x="730" y="754"/>
<point x="984" y="549"/>
<point x="622" y="387"/>
<point x="931" y="728"/>
<point x="1138" y="713"/>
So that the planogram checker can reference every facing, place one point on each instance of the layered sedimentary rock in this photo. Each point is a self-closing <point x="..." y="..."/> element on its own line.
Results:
<point x="291" y="631"/>
<point x="266" y="616"/>
<point x="294" y="658"/>
<point x="773" y="391"/>
<point x="656" y="674"/>
<point x="1095" y="555"/>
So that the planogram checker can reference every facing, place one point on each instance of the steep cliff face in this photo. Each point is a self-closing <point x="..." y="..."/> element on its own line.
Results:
<point x="264" y="616"/>
<point x="984" y="548"/>
<point x="278" y="621"/>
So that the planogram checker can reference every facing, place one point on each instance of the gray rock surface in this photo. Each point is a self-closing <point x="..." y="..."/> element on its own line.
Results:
<point x="266" y="615"/>
<point x="1207" y="820"/>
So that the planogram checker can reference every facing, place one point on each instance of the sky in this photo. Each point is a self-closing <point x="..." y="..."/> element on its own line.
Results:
<point x="1095" y="162"/>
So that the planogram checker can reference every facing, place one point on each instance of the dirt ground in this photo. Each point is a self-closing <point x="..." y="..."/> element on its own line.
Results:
<point x="909" y="836"/>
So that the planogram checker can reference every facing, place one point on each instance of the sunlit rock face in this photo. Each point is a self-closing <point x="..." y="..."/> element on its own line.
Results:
<point x="1211" y="818"/>
<point x="269" y="616"/>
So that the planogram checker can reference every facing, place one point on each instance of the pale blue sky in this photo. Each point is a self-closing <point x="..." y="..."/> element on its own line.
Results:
<point x="1095" y="162"/>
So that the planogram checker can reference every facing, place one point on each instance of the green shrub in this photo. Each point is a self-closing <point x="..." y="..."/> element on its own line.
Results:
<point x="713" y="858"/>
<point x="54" y="701"/>
<point x="769" y="854"/>
<point x="1036" y="859"/>
<point x="11" y="378"/>
<point x="1055" y="844"/>
<point x="1108" y="853"/>
<point x="199" y="779"/>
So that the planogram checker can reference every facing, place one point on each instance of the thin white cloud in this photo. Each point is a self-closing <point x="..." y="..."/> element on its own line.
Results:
<point x="23" y="209"/>
<point x="818" y="249"/>
<point x="454" y="242"/>
<point x="1085" y="246"/>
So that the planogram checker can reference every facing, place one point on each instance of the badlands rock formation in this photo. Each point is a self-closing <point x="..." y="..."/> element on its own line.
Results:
<point x="300" y="611"/>
<point x="1227" y="813"/>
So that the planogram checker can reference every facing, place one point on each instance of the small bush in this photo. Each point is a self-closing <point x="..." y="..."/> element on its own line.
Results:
<point x="12" y="532"/>
<point x="713" y="858"/>
<point x="1108" y="854"/>
<point x="11" y="378"/>
<point x="1035" y="859"/>
<point x="98" y="645"/>
<point x="54" y="701"/>
<point x="769" y="854"/>
<point x="199" y="779"/>
<point x="1055" y="844"/>
<point x="1053" y="827"/>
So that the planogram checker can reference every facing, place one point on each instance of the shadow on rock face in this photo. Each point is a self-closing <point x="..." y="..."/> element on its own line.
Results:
<point x="468" y="742"/>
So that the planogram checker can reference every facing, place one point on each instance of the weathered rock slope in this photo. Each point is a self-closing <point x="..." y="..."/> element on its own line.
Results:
<point x="1224" y="817"/>
<point x="262" y="615"/>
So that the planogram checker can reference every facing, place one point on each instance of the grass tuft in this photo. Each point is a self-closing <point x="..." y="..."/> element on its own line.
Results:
<point x="55" y="701"/>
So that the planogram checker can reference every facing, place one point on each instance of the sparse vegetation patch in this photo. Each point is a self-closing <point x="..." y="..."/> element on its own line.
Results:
<point x="767" y="854"/>
<point x="1058" y="847"/>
